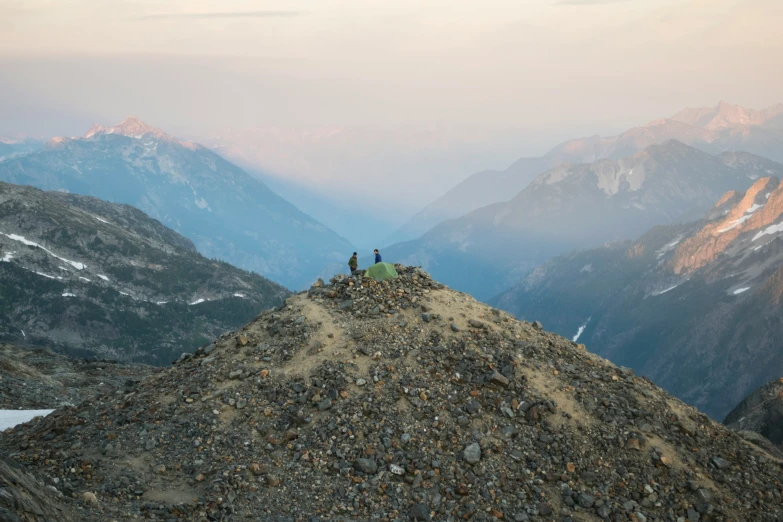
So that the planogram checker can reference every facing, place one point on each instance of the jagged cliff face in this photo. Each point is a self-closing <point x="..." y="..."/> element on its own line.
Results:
<point x="225" y="212"/>
<point x="693" y="306"/>
<point x="400" y="400"/>
<point x="89" y="277"/>
<point x="759" y="209"/>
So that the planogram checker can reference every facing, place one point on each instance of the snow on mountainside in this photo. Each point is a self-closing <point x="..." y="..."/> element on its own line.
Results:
<point x="226" y="213"/>
<point x="695" y="307"/>
<point x="90" y="277"/>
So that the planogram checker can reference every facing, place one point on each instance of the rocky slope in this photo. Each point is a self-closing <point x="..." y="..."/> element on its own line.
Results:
<point x="578" y="206"/>
<point x="389" y="401"/>
<point x="35" y="379"/>
<point x="227" y="213"/>
<point x="713" y="130"/>
<point x="695" y="307"/>
<point x="40" y="379"/>
<point x="87" y="277"/>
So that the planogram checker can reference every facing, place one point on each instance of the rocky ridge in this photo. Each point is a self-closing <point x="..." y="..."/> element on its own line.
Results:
<point x="758" y="210"/>
<point x="761" y="412"/>
<point x="397" y="400"/>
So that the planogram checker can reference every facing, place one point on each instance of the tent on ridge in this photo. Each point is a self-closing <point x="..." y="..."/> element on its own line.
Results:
<point x="381" y="271"/>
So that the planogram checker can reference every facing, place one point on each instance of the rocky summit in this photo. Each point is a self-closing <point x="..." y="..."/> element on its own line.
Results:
<point x="393" y="401"/>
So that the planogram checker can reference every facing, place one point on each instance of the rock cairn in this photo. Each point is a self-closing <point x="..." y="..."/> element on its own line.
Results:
<point x="394" y="401"/>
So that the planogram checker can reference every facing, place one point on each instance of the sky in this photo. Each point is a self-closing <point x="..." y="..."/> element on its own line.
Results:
<point x="508" y="78"/>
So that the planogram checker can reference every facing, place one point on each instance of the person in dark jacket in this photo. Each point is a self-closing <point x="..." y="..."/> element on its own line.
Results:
<point x="353" y="263"/>
<point x="377" y="256"/>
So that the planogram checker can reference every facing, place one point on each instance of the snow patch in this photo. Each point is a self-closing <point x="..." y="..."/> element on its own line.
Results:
<point x="580" y="330"/>
<point x="46" y="275"/>
<point x="754" y="207"/>
<point x="85" y="279"/>
<point x="239" y="295"/>
<point x="11" y="418"/>
<point x="666" y="290"/>
<point x="668" y="247"/>
<point x="772" y="229"/>
<point x="7" y="257"/>
<point x="101" y="220"/>
<point x="197" y="301"/>
<point x="735" y="224"/>
<point x="161" y="302"/>
<point x="102" y="277"/>
<point x="68" y="294"/>
<point x="25" y="241"/>
<point x="24" y="334"/>
<point x="740" y="290"/>
<point x="63" y="268"/>
<point x="123" y="293"/>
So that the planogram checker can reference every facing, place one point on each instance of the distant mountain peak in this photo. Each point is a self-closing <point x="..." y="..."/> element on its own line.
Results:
<point x="130" y="126"/>
<point x="133" y="127"/>
<point x="724" y="115"/>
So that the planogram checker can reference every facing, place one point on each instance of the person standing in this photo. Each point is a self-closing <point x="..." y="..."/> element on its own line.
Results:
<point x="353" y="263"/>
<point x="378" y="258"/>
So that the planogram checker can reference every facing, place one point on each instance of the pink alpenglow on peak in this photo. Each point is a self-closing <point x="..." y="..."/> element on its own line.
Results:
<point x="725" y="115"/>
<point x="133" y="127"/>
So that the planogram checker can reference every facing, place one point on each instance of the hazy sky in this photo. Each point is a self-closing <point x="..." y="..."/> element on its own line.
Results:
<point x="200" y="65"/>
<point x="528" y="73"/>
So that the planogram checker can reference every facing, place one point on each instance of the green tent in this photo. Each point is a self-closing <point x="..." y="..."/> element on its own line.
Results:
<point x="381" y="271"/>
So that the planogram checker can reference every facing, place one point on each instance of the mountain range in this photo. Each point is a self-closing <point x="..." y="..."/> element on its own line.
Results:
<point x="695" y="307"/>
<point x="724" y="127"/>
<point x="578" y="206"/>
<point x="227" y="213"/>
<point x="92" y="278"/>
